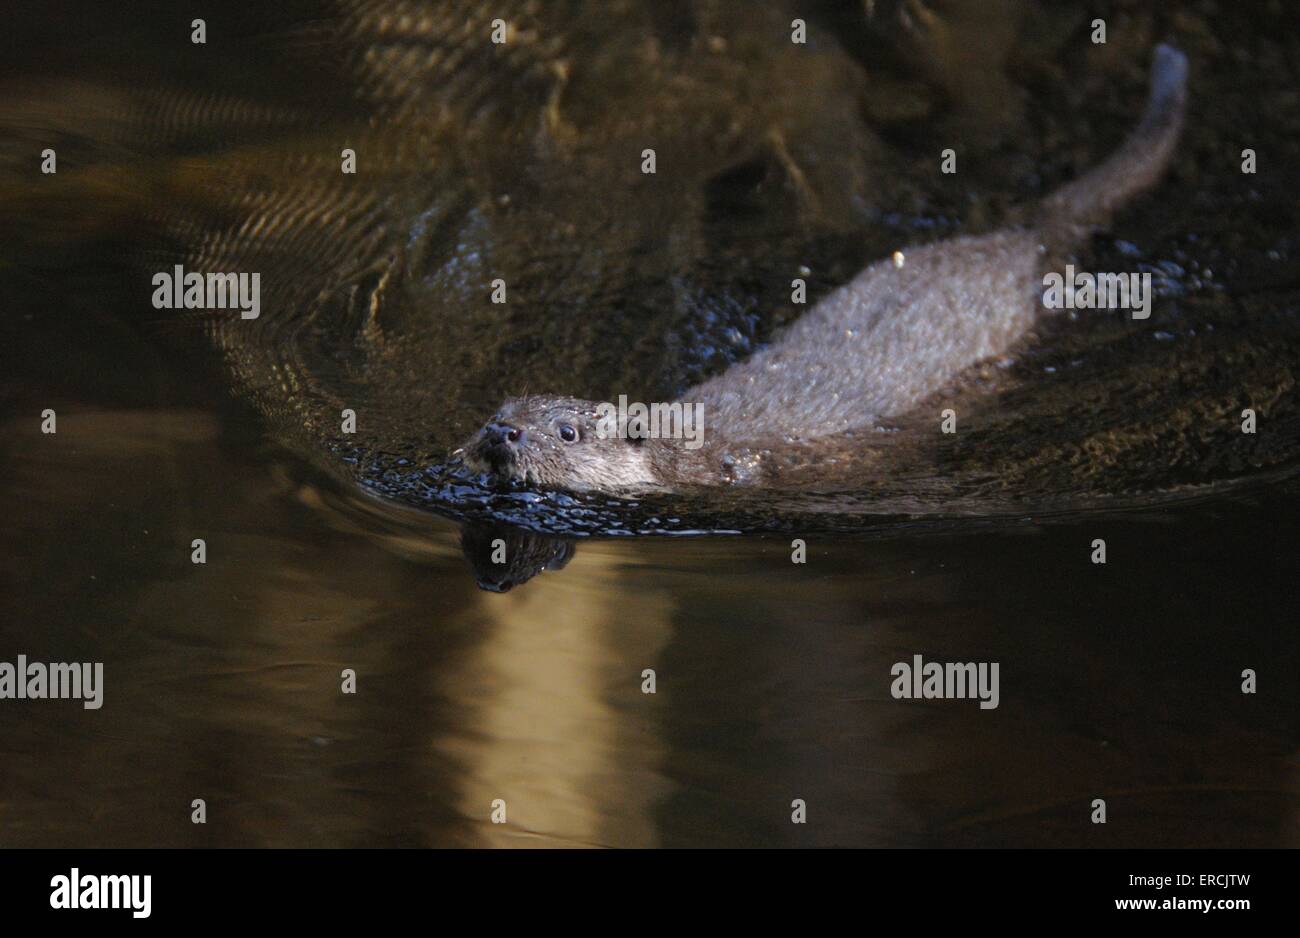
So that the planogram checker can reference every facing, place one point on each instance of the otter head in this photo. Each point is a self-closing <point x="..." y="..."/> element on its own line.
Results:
<point x="559" y="442"/>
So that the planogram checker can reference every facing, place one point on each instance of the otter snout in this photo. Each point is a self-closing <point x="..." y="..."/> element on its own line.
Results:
<point x="497" y="446"/>
<point x="498" y="433"/>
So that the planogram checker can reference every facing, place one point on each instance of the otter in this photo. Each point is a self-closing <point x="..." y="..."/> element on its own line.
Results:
<point x="874" y="349"/>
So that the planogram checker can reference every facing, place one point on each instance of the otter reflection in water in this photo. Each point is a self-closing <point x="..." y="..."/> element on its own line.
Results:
<point x="503" y="557"/>
<point x="875" y="349"/>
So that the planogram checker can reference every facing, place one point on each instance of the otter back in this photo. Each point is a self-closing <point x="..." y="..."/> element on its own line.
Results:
<point x="895" y="335"/>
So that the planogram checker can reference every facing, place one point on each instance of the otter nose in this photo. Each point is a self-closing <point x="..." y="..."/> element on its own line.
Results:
<point x="498" y="433"/>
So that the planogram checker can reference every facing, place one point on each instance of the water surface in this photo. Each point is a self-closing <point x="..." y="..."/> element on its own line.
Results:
<point x="328" y="552"/>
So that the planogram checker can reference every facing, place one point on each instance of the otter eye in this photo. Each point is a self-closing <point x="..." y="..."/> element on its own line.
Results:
<point x="568" y="434"/>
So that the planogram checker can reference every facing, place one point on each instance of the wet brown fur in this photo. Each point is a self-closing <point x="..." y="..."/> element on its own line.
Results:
<point x="873" y="349"/>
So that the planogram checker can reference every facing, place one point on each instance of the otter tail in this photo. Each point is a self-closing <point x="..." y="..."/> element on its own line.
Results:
<point x="1091" y="200"/>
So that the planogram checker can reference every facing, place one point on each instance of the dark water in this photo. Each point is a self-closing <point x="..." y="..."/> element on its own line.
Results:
<point x="1120" y="681"/>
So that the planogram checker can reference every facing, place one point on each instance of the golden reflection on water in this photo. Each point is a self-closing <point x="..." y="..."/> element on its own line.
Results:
<point x="222" y="680"/>
<point x="563" y="733"/>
